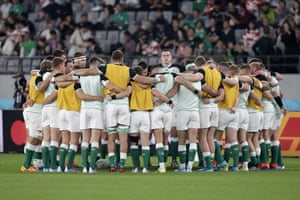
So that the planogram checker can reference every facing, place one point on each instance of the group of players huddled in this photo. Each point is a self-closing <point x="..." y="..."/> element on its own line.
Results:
<point x="107" y="107"/>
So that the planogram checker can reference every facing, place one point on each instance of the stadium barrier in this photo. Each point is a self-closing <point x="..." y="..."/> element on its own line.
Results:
<point x="13" y="133"/>
<point x="279" y="63"/>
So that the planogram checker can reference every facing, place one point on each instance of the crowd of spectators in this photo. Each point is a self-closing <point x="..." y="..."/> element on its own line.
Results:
<point x="225" y="29"/>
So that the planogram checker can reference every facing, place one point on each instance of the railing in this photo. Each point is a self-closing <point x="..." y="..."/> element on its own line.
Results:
<point x="282" y="64"/>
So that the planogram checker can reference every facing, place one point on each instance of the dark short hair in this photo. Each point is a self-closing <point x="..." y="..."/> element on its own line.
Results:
<point x="57" y="61"/>
<point x="200" y="60"/>
<point x="117" y="55"/>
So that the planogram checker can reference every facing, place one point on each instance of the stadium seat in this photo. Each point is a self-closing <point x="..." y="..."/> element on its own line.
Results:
<point x="141" y="16"/>
<point x="101" y="35"/>
<point x="35" y="62"/>
<point x="105" y="46"/>
<point x="186" y="6"/>
<point x="76" y="7"/>
<point x="3" y="63"/>
<point x="92" y="16"/>
<point x="113" y="36"/>
<point x="131" y="16"/>
<point x="26" y="65"/>
<point x="238" y="33"/>
<point x="168" y="16"/>
<point x="13" y="65"/>
<point x="152" y="15"/>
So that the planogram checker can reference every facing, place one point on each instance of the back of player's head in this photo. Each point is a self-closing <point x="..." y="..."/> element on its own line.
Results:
<point x="234" y="69"/>
<point x="200" y="60"/>
<point x="143" y="64"/>
<point x="59" y="53"/>
<point x="138" y="70"/>
<point x="57" y="61"/>
<point x="50" y="57"/>
<point x="45" y="65"/>
<point x="117" y="55"/>
<point x="258" y="60"/>
<point x="78" y="54"/>
<point x="225" y="64"/>
<point x="245" y="67"/>
<point x="94" y="60"/>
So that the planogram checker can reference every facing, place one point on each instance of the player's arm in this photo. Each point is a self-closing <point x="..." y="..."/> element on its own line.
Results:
<point x="211" y="91"/>
<point x="256" y="98"/>
<point x="173" y="90"/>
<point x="182" y="81"/>
<point x="244" y="86"/>
<point x="237" y="99"/>
<point x="192" y="77"/>
<point x="86" y="97"/>
<point x="89" y="71"/>
<point x="42" y="86"/>
<point x="160" y="96"/>
<point x="231" y="81"/>
<point x="124" y="93"/>
<point x="246" y="79"/>
<point x="50" y="98"/>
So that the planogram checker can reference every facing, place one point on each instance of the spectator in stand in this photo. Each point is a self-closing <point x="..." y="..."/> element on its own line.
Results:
<point x="159" y="17"/>
<point x="176" y="34"/>
<point x="53" y="41"/>
<point x="4" y="8"/>
<point x="149" y="30"/>
<point x="245" y="16"/>
<point x="16" y="8"/>
<point x="28" y="46"/>
<point x="249" y="37"/>
<point x="84" y="20"/>
<point x="138" y="31"/>
<point x="295" y="11"/>
<point x="232" y="14"/>
<point x="85" y="6"/>
<point x="199" y="5"/>
<point x="264" y="45"/>
<point x="162" y="33"/>
<point x="105" y="19"/>
<point x="2" y="20"/>
<point x="213" y="31"/>
<point x="27" y="23"/>
<point x="150" y="47"/>
<point x="217" y="13"/>
<point x="53" y="9"/>
<point x="219" y="51"/>
<point x="129" y="44"/>
<point x="267" y="12"/>
<point x="253" y="6"/>
<point x="66" y="8"/>
<point x="288" y="37"/>
<point x="203" y="48"/>
<point x="227" y="33"/>
<point x="200" y="30"/>
<point x="120" y="18"/>
<point x="65" y="26"/>
<point x="92" y="48"/>
<point x="237" y="50"/>
<point x="6" y="45"/>
<point x="77" y="39"/>
<point x="183" y="52"/>
<point x="192" y="40"/>
<point x="265" y="23"/>
<point x="47" y="32"/>
<point x="281" y="11"/>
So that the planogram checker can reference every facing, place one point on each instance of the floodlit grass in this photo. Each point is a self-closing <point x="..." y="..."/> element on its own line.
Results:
<point x="268" y="184"/>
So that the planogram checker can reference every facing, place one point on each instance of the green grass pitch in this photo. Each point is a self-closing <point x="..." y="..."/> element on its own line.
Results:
<point x="253" y="185"/>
